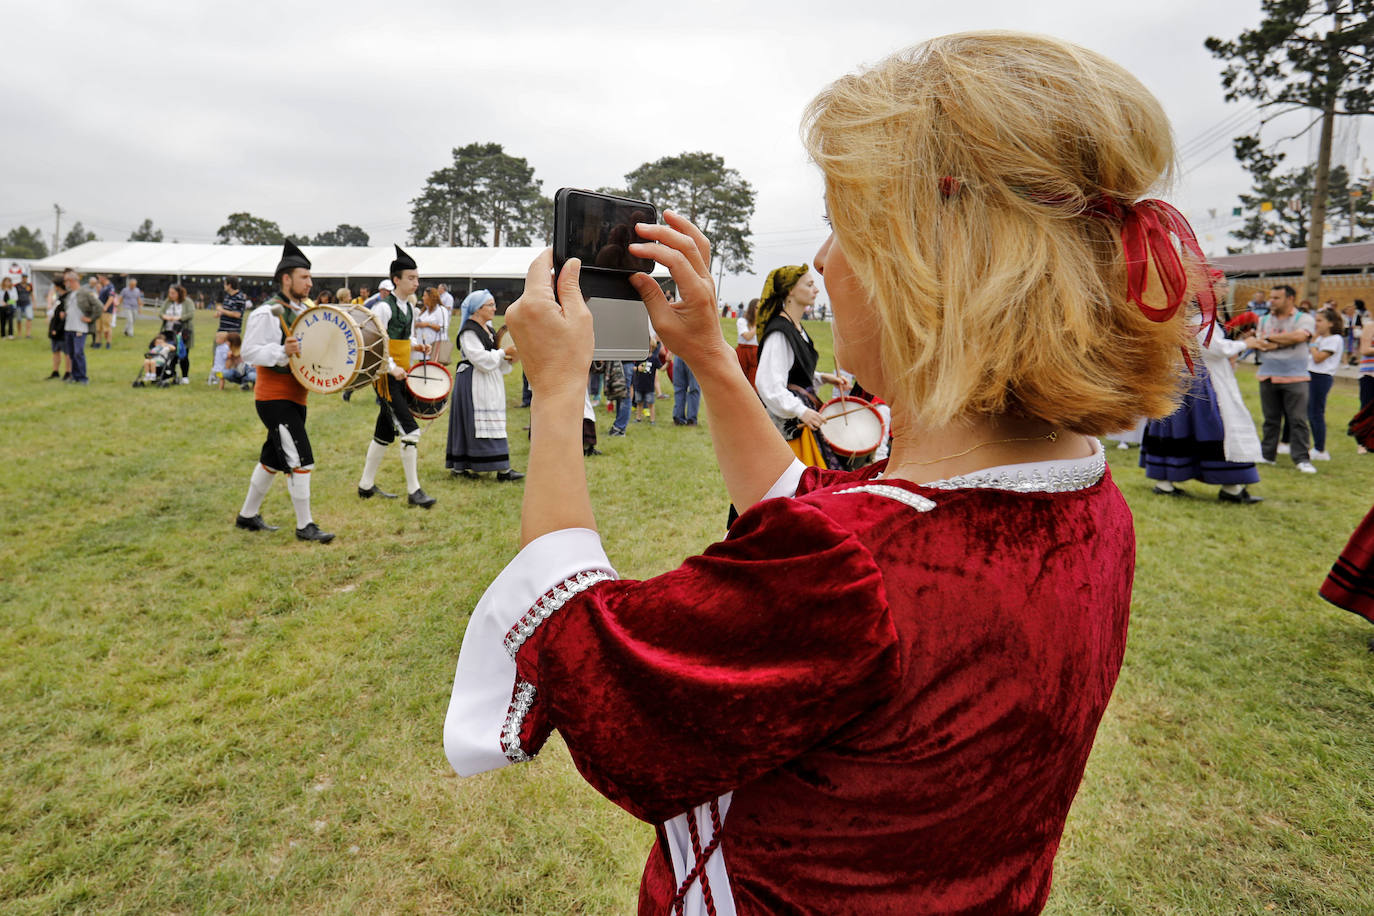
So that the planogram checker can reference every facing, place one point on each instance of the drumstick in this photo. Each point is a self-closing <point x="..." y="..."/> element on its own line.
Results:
<point x="845" y="413"/>
<point x="276" y="309"/>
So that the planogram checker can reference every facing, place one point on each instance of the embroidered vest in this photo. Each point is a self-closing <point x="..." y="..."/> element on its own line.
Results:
<point x="398" y="327"/>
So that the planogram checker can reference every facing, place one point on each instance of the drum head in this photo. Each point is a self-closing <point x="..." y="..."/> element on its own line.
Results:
<point x="851" y="426"/>
<point x="331" y="344"/>
<point x="429" y="381"/>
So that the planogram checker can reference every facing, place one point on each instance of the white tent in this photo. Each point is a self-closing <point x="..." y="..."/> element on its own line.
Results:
<point x="176" y="260"/>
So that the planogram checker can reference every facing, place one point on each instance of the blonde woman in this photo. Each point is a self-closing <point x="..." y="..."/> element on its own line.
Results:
<point x="879" y="693"/>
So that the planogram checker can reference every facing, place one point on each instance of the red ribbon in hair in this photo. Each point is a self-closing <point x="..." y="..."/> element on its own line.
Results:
<point x="1148" y="230"/>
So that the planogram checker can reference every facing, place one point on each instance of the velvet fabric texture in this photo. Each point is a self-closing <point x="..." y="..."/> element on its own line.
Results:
<point x="902" y="701"/>
<point x="1350" y="584"/>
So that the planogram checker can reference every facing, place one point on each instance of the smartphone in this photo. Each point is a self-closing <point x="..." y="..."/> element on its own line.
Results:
<point x="598" y="229"/>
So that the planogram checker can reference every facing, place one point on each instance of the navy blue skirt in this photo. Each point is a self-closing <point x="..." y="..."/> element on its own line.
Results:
<point x="465" y="451"/>
<point x="1187" y="444"/>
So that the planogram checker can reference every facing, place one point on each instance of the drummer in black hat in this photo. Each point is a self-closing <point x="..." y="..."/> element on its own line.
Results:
<point x="280" y="399"/>
<point x="396" y="313"/>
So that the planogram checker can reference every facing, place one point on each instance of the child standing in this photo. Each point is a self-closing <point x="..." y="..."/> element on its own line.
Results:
<point x="645" y="382"/>
<point x="221" y="354"/>
<point x="1324" y="356"/>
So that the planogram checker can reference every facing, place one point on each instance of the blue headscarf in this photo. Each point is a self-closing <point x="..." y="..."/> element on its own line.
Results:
<point x="475" y="300"/>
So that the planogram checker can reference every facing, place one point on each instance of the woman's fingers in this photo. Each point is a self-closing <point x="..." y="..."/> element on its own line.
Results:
<point x="673" y="240"/>
<point x="660" y="311"/>
<point x="569" y="290"/>
<point x="539" y="278"/>
<point x="685" y="226"/>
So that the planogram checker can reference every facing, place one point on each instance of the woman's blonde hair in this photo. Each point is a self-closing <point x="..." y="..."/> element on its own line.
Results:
<point x="959" y="175"/>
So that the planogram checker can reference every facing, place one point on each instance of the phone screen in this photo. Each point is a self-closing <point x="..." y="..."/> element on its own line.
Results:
<point x="600" y="231"/>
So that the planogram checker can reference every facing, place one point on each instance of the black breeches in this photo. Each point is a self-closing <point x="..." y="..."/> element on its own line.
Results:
<point x="394" y="416"/>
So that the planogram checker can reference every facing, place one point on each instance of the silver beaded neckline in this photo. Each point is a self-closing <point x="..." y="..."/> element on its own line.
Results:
<point x="1050" y="477"/>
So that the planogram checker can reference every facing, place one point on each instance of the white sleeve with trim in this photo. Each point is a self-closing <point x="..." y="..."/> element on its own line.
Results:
<point x="485" y="679"/>
<point x="484" y="684"/>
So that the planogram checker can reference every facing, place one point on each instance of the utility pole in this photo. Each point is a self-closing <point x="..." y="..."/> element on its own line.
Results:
<point x="450" y="224"/>
<point x="57" y="230"/>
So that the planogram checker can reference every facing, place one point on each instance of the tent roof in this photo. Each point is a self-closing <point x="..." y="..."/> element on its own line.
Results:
<point x="173" y="259"/>
<point x="1353" y="256"/>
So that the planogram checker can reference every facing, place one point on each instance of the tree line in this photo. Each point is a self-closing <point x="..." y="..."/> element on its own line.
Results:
<point x="485" y="196"/>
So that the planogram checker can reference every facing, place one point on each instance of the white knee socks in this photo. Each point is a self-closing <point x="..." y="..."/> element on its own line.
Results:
<point x="409" y="460"/>
<point x="299" y="485"/>
<point x="375" y="451"/>
<point x="258" y="485"/>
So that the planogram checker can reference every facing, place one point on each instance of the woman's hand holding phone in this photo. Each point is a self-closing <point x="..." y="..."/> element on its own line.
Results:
<point x="689" y="327"/>
<point x="553" y="337"/>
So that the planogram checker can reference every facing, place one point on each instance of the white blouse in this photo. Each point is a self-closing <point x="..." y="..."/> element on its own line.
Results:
<point x="775" y="361"/>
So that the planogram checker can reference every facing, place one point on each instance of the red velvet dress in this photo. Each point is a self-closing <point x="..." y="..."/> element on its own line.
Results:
<point x="873" y="698"/>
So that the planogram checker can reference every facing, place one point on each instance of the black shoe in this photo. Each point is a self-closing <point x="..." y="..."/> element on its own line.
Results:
<point x="1243" y="497"/>
<point x="373" y="491"/>
<point x="1174" y="492"/>
<point x="591" y="450"/>
<point x="470" y="475"/>
<point x="66" y="375"/>
<point x="312" y="532"/>
<point x="54" y="375"/>
<point x="419" y="498"/>
<point x="509" y="475"/>
<point x="253" y="524"/>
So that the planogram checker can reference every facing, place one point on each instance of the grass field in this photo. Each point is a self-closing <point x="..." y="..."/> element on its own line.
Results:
<point x="202" y="720"/>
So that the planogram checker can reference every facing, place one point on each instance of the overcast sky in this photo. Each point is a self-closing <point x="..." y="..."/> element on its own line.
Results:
<point x="313" y="115"/>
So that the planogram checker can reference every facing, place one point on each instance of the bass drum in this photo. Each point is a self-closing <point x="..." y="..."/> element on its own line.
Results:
<point x="342" y="348"/>
<point x="853" y="428"/>
<point x="428" y="386"/>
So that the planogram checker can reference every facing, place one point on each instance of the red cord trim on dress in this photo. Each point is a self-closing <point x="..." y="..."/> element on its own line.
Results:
<point x="701" y="856"/>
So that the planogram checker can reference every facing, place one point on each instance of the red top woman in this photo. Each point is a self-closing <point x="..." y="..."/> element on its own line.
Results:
<point x="878" y="693"/>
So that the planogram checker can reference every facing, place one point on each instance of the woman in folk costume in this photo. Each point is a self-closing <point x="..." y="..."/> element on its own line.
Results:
<point x="879" y="692"/>
<point x="1211" y="437"/>
<point x="395" y="312"/>
<point x="477" y="419"/>
<point x="786" y="378"/>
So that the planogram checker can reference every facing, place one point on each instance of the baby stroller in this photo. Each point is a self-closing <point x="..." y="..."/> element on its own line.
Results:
<point x="166" y="375"/>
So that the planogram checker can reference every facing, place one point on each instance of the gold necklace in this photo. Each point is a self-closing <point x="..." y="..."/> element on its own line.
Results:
<point x="1051" y="436"/>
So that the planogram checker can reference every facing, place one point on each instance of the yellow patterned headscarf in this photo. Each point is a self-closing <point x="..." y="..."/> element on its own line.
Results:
<point x="775" y="289"/>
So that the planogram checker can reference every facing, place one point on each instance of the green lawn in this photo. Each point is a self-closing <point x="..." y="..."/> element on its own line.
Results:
<point x="202" y="720"/>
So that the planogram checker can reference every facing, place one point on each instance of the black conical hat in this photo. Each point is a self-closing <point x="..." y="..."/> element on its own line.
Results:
<point x="291" y="257"/>
<point x="403" y="262"/>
